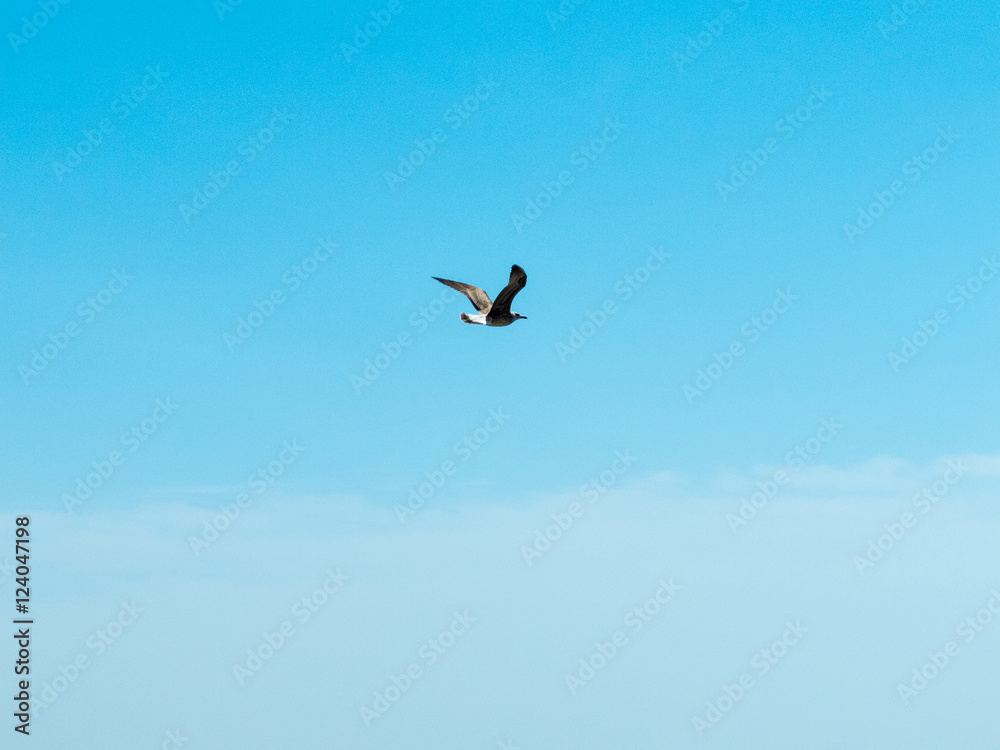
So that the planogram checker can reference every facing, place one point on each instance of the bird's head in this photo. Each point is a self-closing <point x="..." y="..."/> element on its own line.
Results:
<point x="518" y="316"/>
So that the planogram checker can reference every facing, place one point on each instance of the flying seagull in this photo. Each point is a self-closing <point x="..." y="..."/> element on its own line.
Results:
<point x="491" y="313"/>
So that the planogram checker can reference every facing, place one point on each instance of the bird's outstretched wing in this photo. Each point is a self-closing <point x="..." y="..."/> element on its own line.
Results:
<point x="518" y="278"/>
<point x="479" y="298"/>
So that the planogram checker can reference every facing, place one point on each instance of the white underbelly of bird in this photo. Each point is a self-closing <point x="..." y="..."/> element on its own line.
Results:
<point x="491" y="313"/>
<point x="488" y="320"/>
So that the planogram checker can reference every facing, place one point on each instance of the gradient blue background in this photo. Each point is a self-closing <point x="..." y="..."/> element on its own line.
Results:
<point x="557" y="82"/>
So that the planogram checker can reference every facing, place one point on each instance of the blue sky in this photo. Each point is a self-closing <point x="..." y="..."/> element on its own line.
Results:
<point x="217" y="219"/>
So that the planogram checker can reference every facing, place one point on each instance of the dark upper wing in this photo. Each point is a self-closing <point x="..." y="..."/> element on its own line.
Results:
<point x="518" y="278"/>
<point x="477" y="296"/>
